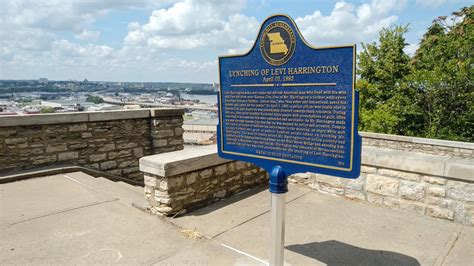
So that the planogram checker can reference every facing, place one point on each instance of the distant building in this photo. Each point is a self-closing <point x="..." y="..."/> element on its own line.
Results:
<point x="200" y="131"/>
<point x="215" y="86"/>
<point x="51" y="104"/>
<point x="202" y="114"/>
<point x="32" y="111"/>
<point x="43" y="81"/>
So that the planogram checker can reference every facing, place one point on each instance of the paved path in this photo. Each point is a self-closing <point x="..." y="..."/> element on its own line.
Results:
<point x="75" y="218"/>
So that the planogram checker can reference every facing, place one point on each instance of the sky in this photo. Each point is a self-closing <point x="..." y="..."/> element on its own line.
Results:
<point x="179" y="41"/>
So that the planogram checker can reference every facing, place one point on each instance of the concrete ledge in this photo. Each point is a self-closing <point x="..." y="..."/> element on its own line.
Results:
<point x="118" y="115"/>
<point x="419" y="163"/>
<point x="464" y="171"/>
<point x="183" y="161"/>
<point x="48" y="119"/>
<point x="43" y="119"/>
<point x="166" y="112"/>
<point x="188" y="160"/>
<point x="434" y="142"/>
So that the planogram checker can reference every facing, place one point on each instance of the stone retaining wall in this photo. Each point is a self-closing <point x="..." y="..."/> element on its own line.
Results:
<point x="453" y="149"/>
<point x="111" y="141"/>
<point x="180" y="181"/>
<point x="430" y="185"/>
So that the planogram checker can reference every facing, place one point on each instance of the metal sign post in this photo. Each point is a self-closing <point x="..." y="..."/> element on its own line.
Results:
<point x="289" y="107"/>
<point x="277" y="235"/>
<point x="278" y="188"/>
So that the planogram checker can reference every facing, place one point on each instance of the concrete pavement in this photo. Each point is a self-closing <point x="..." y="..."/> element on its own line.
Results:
<point x="75" y="218"/>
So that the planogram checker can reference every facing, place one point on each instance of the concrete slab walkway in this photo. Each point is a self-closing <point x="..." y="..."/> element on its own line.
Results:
<point x="75" y="218"/>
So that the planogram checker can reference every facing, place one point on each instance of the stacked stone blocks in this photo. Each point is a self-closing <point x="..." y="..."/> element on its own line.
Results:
<point x="183" y="192"/>
<point x="432" y="185"/>
<point x="167" y="132"/>
<point x="111" y="142"/>
<point x="453" y="149"/>
<point x="406" y="191"/>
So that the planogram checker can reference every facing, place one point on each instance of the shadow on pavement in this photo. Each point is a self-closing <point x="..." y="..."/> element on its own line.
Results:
<point x="333" y="252"/>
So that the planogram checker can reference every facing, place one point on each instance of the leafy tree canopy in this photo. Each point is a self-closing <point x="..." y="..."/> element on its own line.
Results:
<point x="429" y="95"/>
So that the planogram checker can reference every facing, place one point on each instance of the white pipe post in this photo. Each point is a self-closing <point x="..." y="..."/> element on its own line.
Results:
<point x="277" y="237"/>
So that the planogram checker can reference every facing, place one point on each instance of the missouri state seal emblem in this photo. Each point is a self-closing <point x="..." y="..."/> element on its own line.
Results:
<point x="277" y="43"/>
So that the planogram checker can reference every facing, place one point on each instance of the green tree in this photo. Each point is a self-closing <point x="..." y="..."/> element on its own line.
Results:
<point x="47" y="110"/>
<point x="385" y="98"/>
<point x="443" y="75"/>
<point x="94" y="99"/>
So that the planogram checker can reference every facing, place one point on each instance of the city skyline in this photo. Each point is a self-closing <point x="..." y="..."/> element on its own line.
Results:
<point x="179" y="41"/>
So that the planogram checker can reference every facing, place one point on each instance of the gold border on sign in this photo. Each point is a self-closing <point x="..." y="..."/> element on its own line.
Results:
<point x="314" y="48"/>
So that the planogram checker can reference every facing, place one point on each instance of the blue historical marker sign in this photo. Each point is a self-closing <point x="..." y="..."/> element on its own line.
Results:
<point x="288" y="104"/>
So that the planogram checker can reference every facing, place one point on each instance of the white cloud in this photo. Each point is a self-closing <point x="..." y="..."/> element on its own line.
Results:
<point x="181" y="17"/>
<point x="88" y="35"/>
<point x="348" y="23"/>
<point x="220" y="25"/>
<point x="179" y="64"/>
<point x="32" y="32"/>
<point x="62" y="15"/>
<point x="29" y="28"/>
<point x="69" y="49"/>
<point x="178" y="42"/>
<point x="411" y="49"/>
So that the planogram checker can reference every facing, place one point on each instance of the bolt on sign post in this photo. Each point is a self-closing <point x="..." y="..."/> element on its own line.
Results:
<point x="289" y="107"/>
